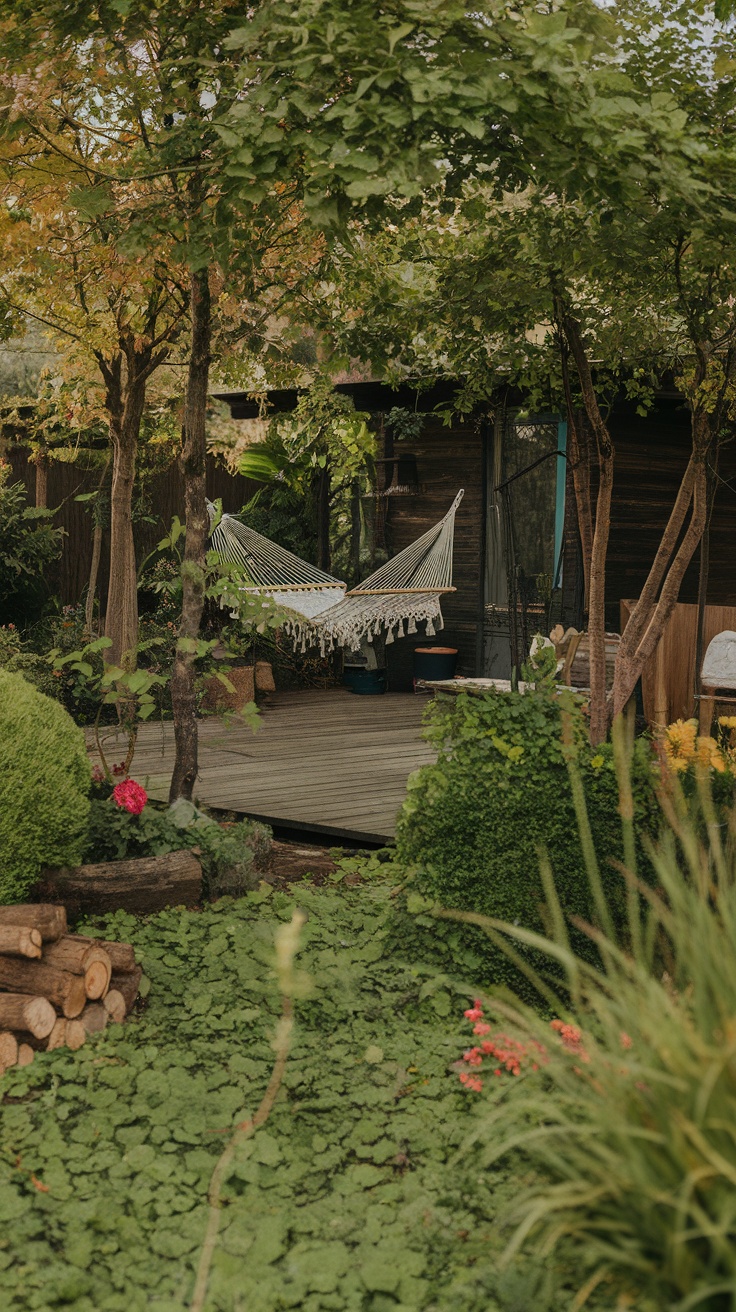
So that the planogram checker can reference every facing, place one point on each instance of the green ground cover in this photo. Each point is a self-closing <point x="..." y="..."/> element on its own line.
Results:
<point x="353" y="1196"/>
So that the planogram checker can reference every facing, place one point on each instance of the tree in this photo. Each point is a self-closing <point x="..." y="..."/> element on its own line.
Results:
<point x="109" y="317"/>
<point x="575" y="292"/>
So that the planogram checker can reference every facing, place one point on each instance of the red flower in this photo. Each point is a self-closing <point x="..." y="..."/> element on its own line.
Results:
<point x="130" y="795"/>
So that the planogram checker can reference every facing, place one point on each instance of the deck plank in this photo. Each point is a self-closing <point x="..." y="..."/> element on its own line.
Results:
<point x="327" y="760"/>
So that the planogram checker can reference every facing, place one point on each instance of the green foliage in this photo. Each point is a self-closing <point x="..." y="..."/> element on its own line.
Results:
<point x="44" y="781"/>
<point x="29" y="545"/>
<point x="18" y="657"/>
<point x="351" y="1198"/>
<point x="473" y="824"/>
<point x="637" y="1157"/>
<point x="229" y="854"/>
<point x="323" y="430"/>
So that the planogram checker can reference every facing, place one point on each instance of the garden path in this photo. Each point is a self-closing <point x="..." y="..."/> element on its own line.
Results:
<point x="329" y="762"/>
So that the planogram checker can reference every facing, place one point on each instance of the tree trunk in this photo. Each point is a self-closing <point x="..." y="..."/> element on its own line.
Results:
<point x="355" y="531"/>
<point x="323" y="519"/>
<point x="578" y="452"/>
<point x="121" y="621"/>
<point x="89" y="609"/>
<point x="89" y="605"/>
<point x="42" y="482"/>
<point x="194" y="453"/>
<point x="653" y="618"/>
<point x="599" y="705"/>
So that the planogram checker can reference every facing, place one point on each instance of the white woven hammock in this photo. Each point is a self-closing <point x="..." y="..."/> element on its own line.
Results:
<point x="266" y="569"/>
<point x="404" y="591"/>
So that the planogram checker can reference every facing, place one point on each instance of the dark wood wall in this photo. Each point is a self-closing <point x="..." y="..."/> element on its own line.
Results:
<point x="651" y="456"/>
<point x="165" y="498"/>
<point x="447" y="459"/>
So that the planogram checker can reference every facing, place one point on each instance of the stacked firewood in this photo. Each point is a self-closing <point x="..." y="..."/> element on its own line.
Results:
<point x="56" y="987"/>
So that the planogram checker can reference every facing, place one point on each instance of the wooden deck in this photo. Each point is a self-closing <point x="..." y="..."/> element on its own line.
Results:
<point x="330" y="762"/>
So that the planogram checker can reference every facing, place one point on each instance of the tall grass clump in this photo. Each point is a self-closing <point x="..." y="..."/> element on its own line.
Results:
<point x="631" y="1125"/>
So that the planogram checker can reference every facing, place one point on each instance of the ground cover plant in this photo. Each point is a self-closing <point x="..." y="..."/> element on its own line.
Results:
<point x="352" y="1197"/>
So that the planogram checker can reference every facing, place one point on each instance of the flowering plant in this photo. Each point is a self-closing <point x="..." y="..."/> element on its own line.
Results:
<point x="130" y="795"/>
<point x="684" y="747"/>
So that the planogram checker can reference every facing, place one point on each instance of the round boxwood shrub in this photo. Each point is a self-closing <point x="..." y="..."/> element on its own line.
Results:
<point x="473" y="824"/>
<point x="44" y="781"/>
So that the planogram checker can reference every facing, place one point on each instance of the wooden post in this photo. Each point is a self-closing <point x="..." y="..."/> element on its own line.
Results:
<point x="660" y="691"/>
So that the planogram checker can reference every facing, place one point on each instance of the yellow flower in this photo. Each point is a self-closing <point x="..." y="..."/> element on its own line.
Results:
<point x="597" y="761"/>
<point x="679" y="743"/>
<point x="727" y="721"/>
<point x="709" y="754"/>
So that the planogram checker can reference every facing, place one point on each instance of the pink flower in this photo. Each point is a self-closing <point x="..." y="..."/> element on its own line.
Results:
<point x="481" y="1027"/>
<point x="130" y="795"/>
<point x="475" y="1012"/>
<point x="98" y="774"/>
<point x="471" y="1082"/>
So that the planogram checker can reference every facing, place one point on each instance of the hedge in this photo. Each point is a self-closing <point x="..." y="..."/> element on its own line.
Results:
<point x="44" y="781"/>
<point x="473" y="824"/>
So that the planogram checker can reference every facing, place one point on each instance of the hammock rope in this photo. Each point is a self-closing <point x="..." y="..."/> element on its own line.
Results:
<point x="406" y="590"/>
<point x="266" y="568"/>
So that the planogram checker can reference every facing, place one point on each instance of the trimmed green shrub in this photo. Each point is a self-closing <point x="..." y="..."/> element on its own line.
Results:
<point x="473" y="824"/>
<point x="44" y="781"/>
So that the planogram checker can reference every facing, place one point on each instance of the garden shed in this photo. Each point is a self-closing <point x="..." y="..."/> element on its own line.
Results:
<point x="518" y="564"/>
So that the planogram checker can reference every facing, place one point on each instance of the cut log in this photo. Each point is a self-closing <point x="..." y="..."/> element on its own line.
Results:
<point x="128" y="985"/>
<point x="76" y="1034"/>
<point x="57" y="1037"/>
<point x="66" y="991"/>
<point x="292" y="861"/>
<point x="20" y="940"/>
<point x="8" y="1050"/>
<point x="142" y="885"/>
<point x="114" y="1004"/>
<point x="122" y="955"/>
<point x="25" y="1054"/>
<point x="82" y="957"/>
<point x="94" y="1018"/>
<point x="48" y="919"/>
<point x="27" y="1011"/>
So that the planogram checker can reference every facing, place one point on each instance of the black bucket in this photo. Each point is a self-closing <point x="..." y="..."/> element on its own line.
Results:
<point x="435" y="662"/>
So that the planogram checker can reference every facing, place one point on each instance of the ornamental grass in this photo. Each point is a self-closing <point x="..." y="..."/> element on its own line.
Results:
<point x="632" y="1130"/>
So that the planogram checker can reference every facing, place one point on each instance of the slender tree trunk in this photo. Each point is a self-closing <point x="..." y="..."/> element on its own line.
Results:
<point x="578" y="451"/>
<point x="651" y="619"/>
<point x="121" y="621"/>
<point x="599" y="709"/>
<point x="355" y="530"/>
<point x="599" y="706"/>
<point x="42" y="482"/>
<point x="194" y="452"/>
<point x="323" y="519"/>
<point x="89" y="608"/>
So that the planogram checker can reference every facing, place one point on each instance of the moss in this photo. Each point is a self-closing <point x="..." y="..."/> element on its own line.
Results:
<point x="44" y="781"/>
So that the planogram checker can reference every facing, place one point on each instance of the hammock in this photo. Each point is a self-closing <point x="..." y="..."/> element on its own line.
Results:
<point x="406" y="590"/>
<point x="266" y="569"/>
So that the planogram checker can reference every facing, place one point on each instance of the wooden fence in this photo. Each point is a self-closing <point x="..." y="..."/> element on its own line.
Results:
<point x="165" y="498"/>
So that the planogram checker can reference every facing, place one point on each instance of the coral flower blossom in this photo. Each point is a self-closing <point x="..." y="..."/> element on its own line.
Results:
<point x="130" y="795"/>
